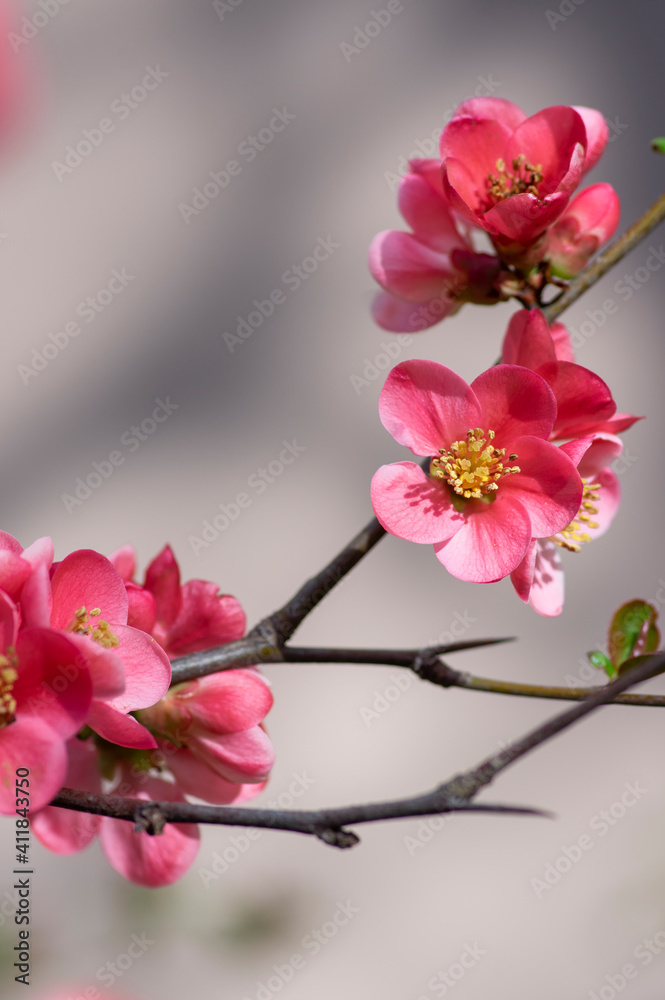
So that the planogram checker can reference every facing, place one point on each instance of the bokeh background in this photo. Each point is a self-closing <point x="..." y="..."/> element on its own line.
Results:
<point x="417" y="896"/>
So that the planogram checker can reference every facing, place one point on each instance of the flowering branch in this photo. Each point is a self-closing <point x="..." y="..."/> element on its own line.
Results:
<point x="329" y="825"/>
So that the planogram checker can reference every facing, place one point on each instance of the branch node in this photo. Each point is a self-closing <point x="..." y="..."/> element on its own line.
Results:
<point x="149" y="819"/>
<point x="338" y="837"/>
<point x="429" y="667"/>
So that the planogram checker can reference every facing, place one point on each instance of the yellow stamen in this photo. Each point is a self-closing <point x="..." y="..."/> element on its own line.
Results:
<point x="474" y="466"/>
<point x="8" y="677"/>
<point x="573" y="536"/>
<point x="100" y="631"/>
<point x="524" y="179"/>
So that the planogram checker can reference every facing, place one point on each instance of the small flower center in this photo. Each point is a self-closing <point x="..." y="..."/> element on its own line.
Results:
<point x="472" y="467"/>
<point x="8" y="677"/>
<point x="99" y="631"/>
<point x="524" y="179"/>
<point x="574" y="535"/>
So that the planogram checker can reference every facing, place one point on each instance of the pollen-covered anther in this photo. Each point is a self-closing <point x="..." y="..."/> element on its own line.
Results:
<point x="472" y="467"/>
<point x="8" y="677"/>
<point x="100" y="631"/>
<point x="573" y="535"/>
<point x="524" y="179"/>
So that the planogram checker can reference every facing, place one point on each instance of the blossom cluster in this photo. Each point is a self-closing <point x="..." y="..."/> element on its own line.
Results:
<point x="505" y="178"/>
<point x="86" y="702"/>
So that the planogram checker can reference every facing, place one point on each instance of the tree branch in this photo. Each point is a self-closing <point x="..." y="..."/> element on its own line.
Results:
<point x="330" y="825"/>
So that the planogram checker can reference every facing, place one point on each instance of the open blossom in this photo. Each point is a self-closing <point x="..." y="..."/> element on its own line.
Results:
<point x="427" y="274"/>
<point x="45" y="694"/>
<point x="85" y="598"/>
<point x="513" y="176"/>
<point x="539" y="578"/>
<point x="584" y="401"/>
<point x="495" y="481"/>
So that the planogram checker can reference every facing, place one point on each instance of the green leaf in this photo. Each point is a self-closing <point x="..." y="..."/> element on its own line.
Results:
<point x="602" y="662"/>
<point x="632" y="632"/>
<point x="658" y="145"/>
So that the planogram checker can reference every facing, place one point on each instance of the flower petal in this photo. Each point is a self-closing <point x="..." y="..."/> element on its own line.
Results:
<point x="147" y="669"/>
<point x="408" y="268"/>
<point x="65" y="831"/>
<point x="547" y="592"/>
<point x="597" y="134"/>
<point x="426" y="406"/>
<point x="490" y="544"/>
<point x="87" y="579"/>
<point x="515" y="402"/>
<point x="493" y="109"/>
<point x="162" y="579"/>
<point x="548" y="485"/>
<point x="411" y="505"/>
<point x="118" y="728"/>
<point x="528" y="341"/>
<point x="30" y="742"/>
<point x="428" y="214"/>
<point x="247" y="756"/>
<point x="399" y="316"/>
<point x="207" y="618"/>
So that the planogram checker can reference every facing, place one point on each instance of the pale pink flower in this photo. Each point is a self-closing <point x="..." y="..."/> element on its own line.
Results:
<point x="590" y="220"/>
<point x="494" y="483"/>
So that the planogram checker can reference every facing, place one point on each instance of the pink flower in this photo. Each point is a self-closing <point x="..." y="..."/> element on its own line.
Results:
<point x="429" y="273"/>
<point x="538" y="579"/>
<point x="182" y="618"/>
<point x="584" y="401"/>
<point x="45" y="694"/>
<point x="512" y="175"/>
<point x="86" y="598"/>
<point x="494" y="483"/>
<point x="589" y="221"/>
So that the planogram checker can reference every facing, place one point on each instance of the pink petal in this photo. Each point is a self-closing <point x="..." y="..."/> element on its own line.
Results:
<point x="10" y="544"/>
<point x="428" y="214"/>
<point x="602" y="450"/>
<point x="528" y="340"/>
<point x="590" y="220"/>
<point x="548" y="485"/>
<point x="406" y="267"/>
<point x="87" y="579"/>
<point x="562" y="344"/>
<point x="245" y="756"/>
<point x="467" y="193"/>
<point x="106" y="670"/>
<point x="147" y="669"/>
<point x="37" y="599"/>
<point x="141" y="612"/>
<point x="124" y="561"/>
<point x="115" y="727"/>
<point x="411" y="505"/>
<point x="619" y="422"/>
<point x="549" y="139"/>
<point x="493" y="109"/>
<point x="547" y="591"/>
<point x="583" y="398"/>
<point x="207" y="618"/>
<point x="399" y="316"/>
<point x="65" y="831"/>
<point x="523" y="217"/>
<point x="196" y="778"/>
<point x="478" y="144"/>
<point x="40" y="553"/>
<point x="148" y="860"/>
<point x="491" y="543"/>
<point x="227" y="702"/>
<point x="426" y="406"/>
<point x="162" y="579"/>
<point x="14" y="571"/>
<point x="522" y="577"/>
<point x="609" y="498"/>
<point x="597" y="135"/>
<point x="53" y="681"/>
<point x="8" y="621"/>
<point x="30" y="742"/>
<point x="515" y="402"/>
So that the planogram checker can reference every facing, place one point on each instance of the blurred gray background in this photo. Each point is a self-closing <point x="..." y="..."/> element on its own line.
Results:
<point x="423" y="897"/>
